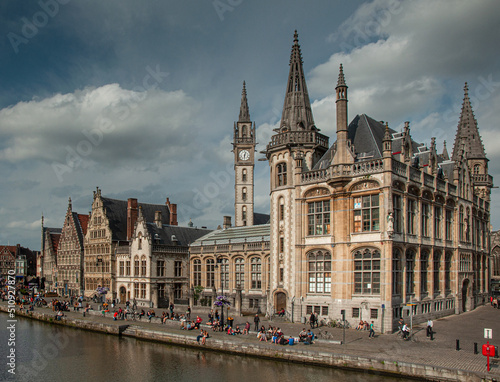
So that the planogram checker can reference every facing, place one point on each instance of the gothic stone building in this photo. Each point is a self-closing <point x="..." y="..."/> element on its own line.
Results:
<point x="153" y="270"/>
<point x="376" y="221"/>
<point x="70" y="253"/>
<point x="110" y="229"/>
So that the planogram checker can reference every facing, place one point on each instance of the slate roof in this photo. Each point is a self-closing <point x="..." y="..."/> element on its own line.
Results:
<point x="247" y="234"/>
<point x="81" y="222"/>
<point x="259" y="219"/>
<point x="183" y="235"/>
<point x="116" y="212"/>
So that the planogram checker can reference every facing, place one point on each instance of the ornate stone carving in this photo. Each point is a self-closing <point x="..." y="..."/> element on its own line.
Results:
<point x="364" y="185"/>
<point x="316" y="192"/>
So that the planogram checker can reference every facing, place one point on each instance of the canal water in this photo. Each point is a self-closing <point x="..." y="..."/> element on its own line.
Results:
<point x="45" y="352"/>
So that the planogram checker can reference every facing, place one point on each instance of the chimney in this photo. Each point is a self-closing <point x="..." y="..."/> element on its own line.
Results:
<point x="227" y="222"/>
<point x="132" y="212"/>
<point x="173" y="212"/>
<point x="158" y="219"/>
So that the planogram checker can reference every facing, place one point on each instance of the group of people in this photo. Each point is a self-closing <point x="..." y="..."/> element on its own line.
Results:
<point x="190" y="325"/>
<point x="277" y="337"/>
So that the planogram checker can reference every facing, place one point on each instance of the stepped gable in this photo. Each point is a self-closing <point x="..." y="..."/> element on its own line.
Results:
<point x="184" y="235"/>
<point x="243" y="234"/>
<point x="116" y="212"/>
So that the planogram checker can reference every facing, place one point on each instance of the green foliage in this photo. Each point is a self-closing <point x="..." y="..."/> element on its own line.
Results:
<point x="197" y="292"/>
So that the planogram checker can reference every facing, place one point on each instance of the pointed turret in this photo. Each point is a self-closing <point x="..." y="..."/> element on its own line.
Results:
<point x="343" y="154"/>
<point x="467" y="132"/>
<point x="244" y="113"/>
<point x="297" y="113"/>
<point x="444" y="154"/>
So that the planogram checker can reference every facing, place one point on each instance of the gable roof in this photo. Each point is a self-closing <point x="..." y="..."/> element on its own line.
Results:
<point x="175" y="235"/>
<point x="116" y="212"/>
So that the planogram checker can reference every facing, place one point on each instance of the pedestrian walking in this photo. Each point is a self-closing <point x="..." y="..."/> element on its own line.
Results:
<point x="371" y="334"/>
<point x="256" y="321"/>
<point x="430" y="324"/>
<point x="312" y="320"/>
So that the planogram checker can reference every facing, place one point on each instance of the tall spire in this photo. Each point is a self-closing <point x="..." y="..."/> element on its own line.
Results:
<point x="297" y="114"/>
<point x="341" y="80"/>
<point x="467" y="137"/>
<point x="244" y="113"/>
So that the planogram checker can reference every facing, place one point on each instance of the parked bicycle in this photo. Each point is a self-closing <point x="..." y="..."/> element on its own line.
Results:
<point x="323" y="334"/>
<point x="343" y="324"/>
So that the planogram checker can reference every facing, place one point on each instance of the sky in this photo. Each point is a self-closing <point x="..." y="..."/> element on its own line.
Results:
<point x="139" y="98"/>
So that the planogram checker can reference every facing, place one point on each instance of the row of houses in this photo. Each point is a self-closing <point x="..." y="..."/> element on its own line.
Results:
<point x="122" y="250"/>
<point x="17" y="261"/>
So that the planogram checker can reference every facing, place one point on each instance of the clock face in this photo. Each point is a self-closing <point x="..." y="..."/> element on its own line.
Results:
<point x="244" y="155"/>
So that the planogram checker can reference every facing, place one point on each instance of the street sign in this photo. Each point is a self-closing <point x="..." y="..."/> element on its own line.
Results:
<point x="488" y="333"/>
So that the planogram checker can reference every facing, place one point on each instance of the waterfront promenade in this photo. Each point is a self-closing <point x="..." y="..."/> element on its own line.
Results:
<point x="383" y="353"/>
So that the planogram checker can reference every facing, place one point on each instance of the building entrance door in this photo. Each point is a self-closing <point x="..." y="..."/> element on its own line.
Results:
<point x="465" y="287"/>
<point x="123" y="295"/>
<point x="280" y="301"/>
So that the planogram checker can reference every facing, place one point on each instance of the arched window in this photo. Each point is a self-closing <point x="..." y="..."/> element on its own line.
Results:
<point x="367" y="271"/>
<point x="210" y="264"/>
<point x="243" y="131"/>
<point x="244" y="193"/>
<point x="136" y="265"/>
<point x="319" y="272"/>
<point x="143" y="266"/>
<point x="197" y="272"/>
<point x="244" y="214"/>
<point x="281" y="179"/>
<point x="256" y="272"/>
<point x="244" y="175"/>
<point x="396" y="272"/>
<point x="477" y="169"/>
<point x="239" y="272"/>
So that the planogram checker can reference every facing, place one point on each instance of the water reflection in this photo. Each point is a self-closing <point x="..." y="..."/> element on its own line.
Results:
<point x="51" y="353"/>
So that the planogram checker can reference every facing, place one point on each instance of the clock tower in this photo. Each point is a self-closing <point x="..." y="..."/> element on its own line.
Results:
<point x="244" y="161"/>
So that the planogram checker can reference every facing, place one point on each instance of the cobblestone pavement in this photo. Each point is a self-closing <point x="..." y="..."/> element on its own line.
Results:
<point x="468" y="328"/>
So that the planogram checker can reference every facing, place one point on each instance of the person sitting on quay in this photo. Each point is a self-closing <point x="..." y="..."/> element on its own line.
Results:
<point x="281" y="313"/>
<point x="198" y="322"/>
<point x="204" y="338"/>
<point x="310" y="336"/>
<point x="360" y="325"/>
<point x="246" y="329"/>
<point x="142" y="314"/>
<point x="262" y="335"/>
<point x="237" y="330"/>
<point x="59" y="315"/>
<point x="366" y="325"/>
<point x="115" y="316"/>
<point x="303" y="335"/>
<point x="200" y="336"/>
<point x="230" y="331"/>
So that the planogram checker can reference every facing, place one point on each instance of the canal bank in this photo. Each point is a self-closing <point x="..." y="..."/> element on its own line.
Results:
<point x="322" y="353"/>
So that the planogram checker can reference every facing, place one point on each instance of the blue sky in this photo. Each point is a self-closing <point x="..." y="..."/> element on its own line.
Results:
<point x="139" y="99"/>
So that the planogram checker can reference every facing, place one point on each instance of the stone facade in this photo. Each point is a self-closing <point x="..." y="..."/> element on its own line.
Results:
<point x="70" y="253"/>
<point x="110" y="229"/>
<point x="154" y="269"/>
<point x="48" y="257"/>
<point x="375" y="225"/>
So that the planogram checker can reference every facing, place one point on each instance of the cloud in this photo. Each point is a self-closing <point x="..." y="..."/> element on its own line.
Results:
<point x="104" y="126"/>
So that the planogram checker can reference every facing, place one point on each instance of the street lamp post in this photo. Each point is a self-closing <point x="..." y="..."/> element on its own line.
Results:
<point x="219" y="261"/>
